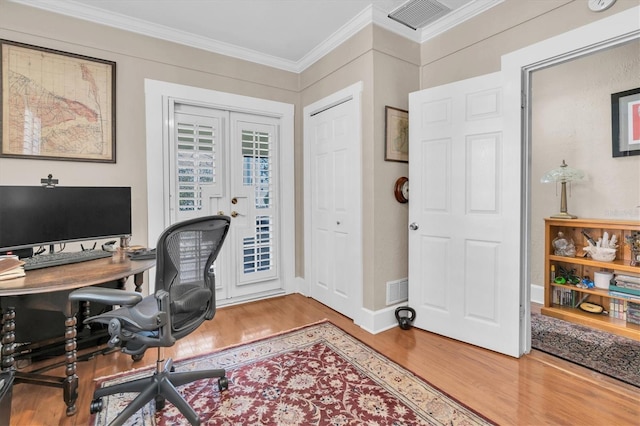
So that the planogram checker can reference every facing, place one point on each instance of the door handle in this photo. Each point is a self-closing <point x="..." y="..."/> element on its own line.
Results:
<point x="413" y="226"/>
<point x="220" y="213"/>
<point x="235" y="214"/>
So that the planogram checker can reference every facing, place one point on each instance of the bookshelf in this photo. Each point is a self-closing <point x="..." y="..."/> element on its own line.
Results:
<point x="562" y="300"/>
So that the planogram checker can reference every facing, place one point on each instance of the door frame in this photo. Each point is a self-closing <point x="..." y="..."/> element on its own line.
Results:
<point x="157" y="94"/>
<point x="517" y="67"/>
<point x="354" y="93"/>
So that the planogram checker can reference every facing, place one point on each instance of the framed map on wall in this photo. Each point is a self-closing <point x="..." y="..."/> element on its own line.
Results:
<point x="396" y="138"/>
<point x="56" y="105"/>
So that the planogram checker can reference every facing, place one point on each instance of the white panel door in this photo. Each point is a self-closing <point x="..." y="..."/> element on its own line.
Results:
<point x="335" y="240"/>
<point x="465" y="191"/>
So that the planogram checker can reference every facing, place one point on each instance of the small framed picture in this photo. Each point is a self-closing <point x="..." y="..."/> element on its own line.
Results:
<point x="56" y="105"/>
<point x="396" y="134"/>
<point x="625" y="123"/>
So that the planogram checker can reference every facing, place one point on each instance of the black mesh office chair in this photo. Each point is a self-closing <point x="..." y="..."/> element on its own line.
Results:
<point x="184" y="298"/>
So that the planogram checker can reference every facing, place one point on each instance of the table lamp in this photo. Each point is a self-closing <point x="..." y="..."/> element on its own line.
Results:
<point x="563" y="174"/>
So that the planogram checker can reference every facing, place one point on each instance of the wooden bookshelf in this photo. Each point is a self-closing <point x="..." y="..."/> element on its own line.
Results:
<point x="585" y="267"/>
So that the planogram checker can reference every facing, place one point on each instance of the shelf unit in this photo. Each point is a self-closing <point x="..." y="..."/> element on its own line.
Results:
<point x="585" y="267"/>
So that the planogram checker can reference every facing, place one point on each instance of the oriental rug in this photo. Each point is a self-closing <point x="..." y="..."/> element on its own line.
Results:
<point x="314" y="375"/>
<point x="609" y="354"/>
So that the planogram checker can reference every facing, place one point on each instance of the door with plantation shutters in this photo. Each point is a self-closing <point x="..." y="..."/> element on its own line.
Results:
<point x="225" y="162"/>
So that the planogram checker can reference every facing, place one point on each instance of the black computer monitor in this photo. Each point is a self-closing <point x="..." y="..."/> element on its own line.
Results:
<point x="32" y="216"/>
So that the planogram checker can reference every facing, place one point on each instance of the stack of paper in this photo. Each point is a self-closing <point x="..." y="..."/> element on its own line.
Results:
<point x="11" y="267"/>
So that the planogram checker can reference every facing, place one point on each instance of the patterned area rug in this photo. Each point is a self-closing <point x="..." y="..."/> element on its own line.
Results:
<point x="315" y="375"/>
<point x="606" y="353"/>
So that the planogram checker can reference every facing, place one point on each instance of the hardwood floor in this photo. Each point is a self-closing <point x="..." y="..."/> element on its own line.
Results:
<point x="536" y="389"/>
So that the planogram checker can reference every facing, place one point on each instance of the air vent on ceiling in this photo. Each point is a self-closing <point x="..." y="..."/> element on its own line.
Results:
<point x="418" y="13"/>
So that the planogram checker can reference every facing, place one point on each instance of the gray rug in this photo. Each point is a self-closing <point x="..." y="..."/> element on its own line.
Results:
<point x="615" y="356"/>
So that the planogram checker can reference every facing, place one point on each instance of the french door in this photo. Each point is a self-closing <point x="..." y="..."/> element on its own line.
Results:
<point x="224" y="162"/>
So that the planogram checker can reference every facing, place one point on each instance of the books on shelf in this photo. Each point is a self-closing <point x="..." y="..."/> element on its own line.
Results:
<point x="625" y="285"/>
<point x="618" y="308"/>
<point x="11" y="267"/>
<point x="564" y="297"/>
<point x="627" y="281"/>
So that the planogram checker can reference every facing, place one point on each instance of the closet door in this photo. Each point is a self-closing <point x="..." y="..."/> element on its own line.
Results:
<point x="336" y="242"/>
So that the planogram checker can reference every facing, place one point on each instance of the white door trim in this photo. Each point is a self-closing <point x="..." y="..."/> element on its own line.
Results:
<point x="353" y="92"/>
<point x="516" y="67"/>
<point x="156" y="104"/>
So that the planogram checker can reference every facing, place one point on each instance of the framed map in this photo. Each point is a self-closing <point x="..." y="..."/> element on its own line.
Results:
<point x="56" y="105"/>
<point x="396" y="134"/>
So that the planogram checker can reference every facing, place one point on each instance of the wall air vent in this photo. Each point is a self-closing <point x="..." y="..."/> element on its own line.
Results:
<point x="419" y="13"/>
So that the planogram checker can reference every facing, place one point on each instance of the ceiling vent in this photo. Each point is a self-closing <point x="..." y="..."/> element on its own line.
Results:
<point x="419" y="13"/>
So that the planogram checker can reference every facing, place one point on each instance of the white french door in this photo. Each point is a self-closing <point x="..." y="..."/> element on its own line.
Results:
<point x="224" y="162"/>
<point x="464" y="244"/>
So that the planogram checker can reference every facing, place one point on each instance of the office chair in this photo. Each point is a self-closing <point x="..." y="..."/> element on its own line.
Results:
<point x="184" y="298"/>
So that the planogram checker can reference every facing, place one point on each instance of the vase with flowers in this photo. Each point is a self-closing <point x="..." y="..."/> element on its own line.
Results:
<point x="633" y="241"/>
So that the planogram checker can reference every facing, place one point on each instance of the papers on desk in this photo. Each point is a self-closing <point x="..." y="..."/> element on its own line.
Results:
<point x="11" y="267"/>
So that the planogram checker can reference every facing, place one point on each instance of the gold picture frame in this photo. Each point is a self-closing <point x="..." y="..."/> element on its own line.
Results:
<point x="396" y="135"/>
<point x="56" y="105"/>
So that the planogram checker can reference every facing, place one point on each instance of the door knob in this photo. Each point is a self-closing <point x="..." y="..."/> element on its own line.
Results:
<point x="220" y="212"/>
<point x="413" y="226"/>
<point x="235" y="214"/>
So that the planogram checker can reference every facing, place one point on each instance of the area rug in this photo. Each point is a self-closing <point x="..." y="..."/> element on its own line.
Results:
<point x="606" y="353"/>
<point x="315" y="375"/>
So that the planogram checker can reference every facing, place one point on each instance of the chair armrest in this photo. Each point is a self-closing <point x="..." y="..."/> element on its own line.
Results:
<point x="106" y="296"/>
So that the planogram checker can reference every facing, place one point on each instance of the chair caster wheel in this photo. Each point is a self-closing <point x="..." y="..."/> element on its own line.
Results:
<point x="137" y="357"/>
<point x="223" y="384"/>
<point x="160" y="401"/>
<point x="96" y="406"/>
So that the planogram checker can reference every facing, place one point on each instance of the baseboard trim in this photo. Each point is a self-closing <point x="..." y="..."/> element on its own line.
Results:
<point x="378" y="321"/>
<point x="537" y="294"/>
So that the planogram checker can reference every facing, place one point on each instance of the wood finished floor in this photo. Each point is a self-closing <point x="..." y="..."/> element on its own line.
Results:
<point x="536" y="389"/>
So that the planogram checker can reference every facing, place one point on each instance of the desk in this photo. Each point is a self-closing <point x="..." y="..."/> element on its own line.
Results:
<point x="49" y="288"/>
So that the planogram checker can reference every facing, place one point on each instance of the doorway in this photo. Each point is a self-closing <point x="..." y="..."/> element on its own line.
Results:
<point x="517" y="68"/>
<point x="211" y="152"/>
<point x="225" y="162"/>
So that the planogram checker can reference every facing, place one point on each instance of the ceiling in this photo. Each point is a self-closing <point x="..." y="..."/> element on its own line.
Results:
<point x="286" y="34"/>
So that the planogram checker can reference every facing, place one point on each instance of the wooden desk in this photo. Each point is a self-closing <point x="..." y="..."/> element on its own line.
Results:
<point x="49" y="288"/>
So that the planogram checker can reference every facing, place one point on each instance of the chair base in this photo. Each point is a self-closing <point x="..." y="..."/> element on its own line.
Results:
<point x="160" y="386"/>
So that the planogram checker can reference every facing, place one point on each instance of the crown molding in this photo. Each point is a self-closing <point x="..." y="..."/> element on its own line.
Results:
<point x="372" y="14"/>
<point x="457" y="17"/>
<point x="138" y="26"/>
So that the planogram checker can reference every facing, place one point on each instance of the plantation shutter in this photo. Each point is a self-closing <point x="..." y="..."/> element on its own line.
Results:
<point x="257" y="152"/>
<point x="198" y="159"/>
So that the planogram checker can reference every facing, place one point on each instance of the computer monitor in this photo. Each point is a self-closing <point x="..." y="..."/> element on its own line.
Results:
<point x="32" y="216"/>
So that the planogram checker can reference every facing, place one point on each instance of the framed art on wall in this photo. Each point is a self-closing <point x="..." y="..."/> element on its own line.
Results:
<point x="396" y="134"/>
<point x="56" y="105"/>
<point x="625" y="123"/>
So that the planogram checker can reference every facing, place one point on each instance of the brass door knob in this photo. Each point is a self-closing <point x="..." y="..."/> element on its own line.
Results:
<point x="234" y="213"/>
